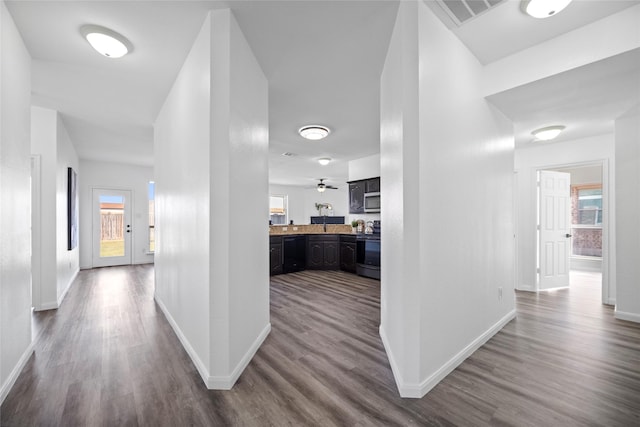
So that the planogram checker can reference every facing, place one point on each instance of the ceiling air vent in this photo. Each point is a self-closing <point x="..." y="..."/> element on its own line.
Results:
<point x="461" y="11"/>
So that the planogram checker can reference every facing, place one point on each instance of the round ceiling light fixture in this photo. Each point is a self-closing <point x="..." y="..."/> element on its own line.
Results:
<point x="543" y="8"/>
<point x="324" y="161"/>
<point x="547" y="133"/>
<point x="105" y="41"/>
<point x="314" y="132"/>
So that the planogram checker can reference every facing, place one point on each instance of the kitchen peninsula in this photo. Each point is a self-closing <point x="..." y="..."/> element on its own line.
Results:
<point x="299" y="247"/>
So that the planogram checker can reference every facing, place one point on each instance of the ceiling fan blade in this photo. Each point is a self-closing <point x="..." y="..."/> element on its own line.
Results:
<point x="331" y="187"/>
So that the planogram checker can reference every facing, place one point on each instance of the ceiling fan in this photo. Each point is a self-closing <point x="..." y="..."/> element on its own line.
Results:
<point x="322" y="186"/>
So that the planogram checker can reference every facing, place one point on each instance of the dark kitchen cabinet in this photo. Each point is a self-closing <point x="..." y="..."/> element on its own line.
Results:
<point x="357" y="190"/>
<point x="356" y="197"/>
<point x="294" y="253"/>
<point x="348" y="253"/>
<point x="275" y="255"/>
<point x="322" y="252"/>
<point x="372" y="185"/>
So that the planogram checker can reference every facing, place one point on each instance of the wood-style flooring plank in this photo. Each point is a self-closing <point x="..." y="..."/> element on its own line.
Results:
<point x="109" y="357"/>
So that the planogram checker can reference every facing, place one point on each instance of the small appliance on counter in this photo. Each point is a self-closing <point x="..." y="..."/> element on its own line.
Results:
<point x="369" y="228"/>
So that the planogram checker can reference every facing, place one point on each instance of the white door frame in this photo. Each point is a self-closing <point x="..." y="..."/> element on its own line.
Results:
<point x="36" y="232"/>
<point x="608" y="244"/>
<point x="128" y="234"/>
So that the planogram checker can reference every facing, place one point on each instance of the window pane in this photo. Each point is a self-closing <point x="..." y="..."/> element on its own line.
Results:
<point x="111" y="226"/>
<point x="586" y="206"/>
<point x="278" y="210"/>
<point x="590" y="217"/>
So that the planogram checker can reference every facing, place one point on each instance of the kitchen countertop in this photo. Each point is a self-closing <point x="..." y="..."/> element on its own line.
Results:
<point x="283" y="230"/>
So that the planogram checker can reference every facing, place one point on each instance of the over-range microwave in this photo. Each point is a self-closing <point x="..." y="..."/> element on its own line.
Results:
<point x="371" y="202"/>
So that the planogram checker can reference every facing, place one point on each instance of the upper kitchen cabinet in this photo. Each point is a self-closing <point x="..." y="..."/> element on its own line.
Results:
<point x="356" y="197"/>
<point x="362" y="190"/>
<point x="372" y="185"/>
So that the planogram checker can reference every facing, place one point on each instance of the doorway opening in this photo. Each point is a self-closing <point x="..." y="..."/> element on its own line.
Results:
<point x="586" y="232"/>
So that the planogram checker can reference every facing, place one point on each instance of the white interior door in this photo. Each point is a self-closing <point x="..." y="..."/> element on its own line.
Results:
<point x="555" y="229"/>
<point x="112" y="230"/>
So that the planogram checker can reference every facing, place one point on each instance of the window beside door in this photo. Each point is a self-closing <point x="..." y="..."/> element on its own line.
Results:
<point x="586" y="219"/>
<point x="152" y="217"/>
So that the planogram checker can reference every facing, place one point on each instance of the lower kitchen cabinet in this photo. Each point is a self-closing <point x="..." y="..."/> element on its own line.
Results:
<point x="294" y="253"/>
<point x="275" y="255"/>
<point x="348" y="253"/>
<point x="322" y="252"/>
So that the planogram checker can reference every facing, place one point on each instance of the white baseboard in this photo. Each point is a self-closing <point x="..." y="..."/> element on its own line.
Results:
<point x="452" y="364"/>
<point x="66" y="289"/>
<point x="215" y="382"/>
<point x="418" y="390"/>
<point x="202" y="370"/>
<point x="394" y="366"/>
<point x="227" y="382"/>
<point x="631" y="317"/>
<point x="13" y="376"/>
<point x="51" y="305"/>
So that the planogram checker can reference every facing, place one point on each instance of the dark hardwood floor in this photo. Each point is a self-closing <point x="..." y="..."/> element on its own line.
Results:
<point x="109" y="357"/>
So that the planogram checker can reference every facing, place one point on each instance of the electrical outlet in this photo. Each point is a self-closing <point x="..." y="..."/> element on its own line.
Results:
<point x="295" y="228"/>
<point x="500" y="293"/>
<point x="285" y="228"/>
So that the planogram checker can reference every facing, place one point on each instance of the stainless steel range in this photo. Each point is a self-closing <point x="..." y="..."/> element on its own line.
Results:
<point x="368" y="253"/>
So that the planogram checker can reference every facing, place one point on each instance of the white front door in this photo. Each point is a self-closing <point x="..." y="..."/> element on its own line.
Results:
<point x="555" y="229"/>
<point x="112" y="228"/>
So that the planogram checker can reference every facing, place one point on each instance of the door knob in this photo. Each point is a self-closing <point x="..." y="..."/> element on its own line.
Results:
<point x="567" y="235"/>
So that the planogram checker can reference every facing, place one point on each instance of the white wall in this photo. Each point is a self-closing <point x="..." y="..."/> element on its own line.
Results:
<point x="302" y="201"/>
<point x="15" y="203"/>
<point x="528" y="160"/>
<point x="43" y="144"/>
<point x="247" y="144"/>
<point x="582" y="175"/>
<point x="68" y="261"/>
<point x="181" y="169"/>
<point x="116" y="176"/>
<point x="58" y="266"/>
<point x="627" y="148"/>
<point x="443" y="259"/>
<point x="364" y="168"/>
<point x="214" y="124"/>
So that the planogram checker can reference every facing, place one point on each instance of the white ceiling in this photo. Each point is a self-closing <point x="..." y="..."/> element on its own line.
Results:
<point x="505" y="30"/>
<point x="323" y="60"/>
<point x="587" y="99"/>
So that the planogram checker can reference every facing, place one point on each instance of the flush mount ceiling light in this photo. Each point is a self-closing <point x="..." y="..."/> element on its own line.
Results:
<point x="107" y="42"/>
<point x="324" y="161"/>
<point x="547" y="133"/>
<point x="543" y="8"/>
<point x="313" y="132"/>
